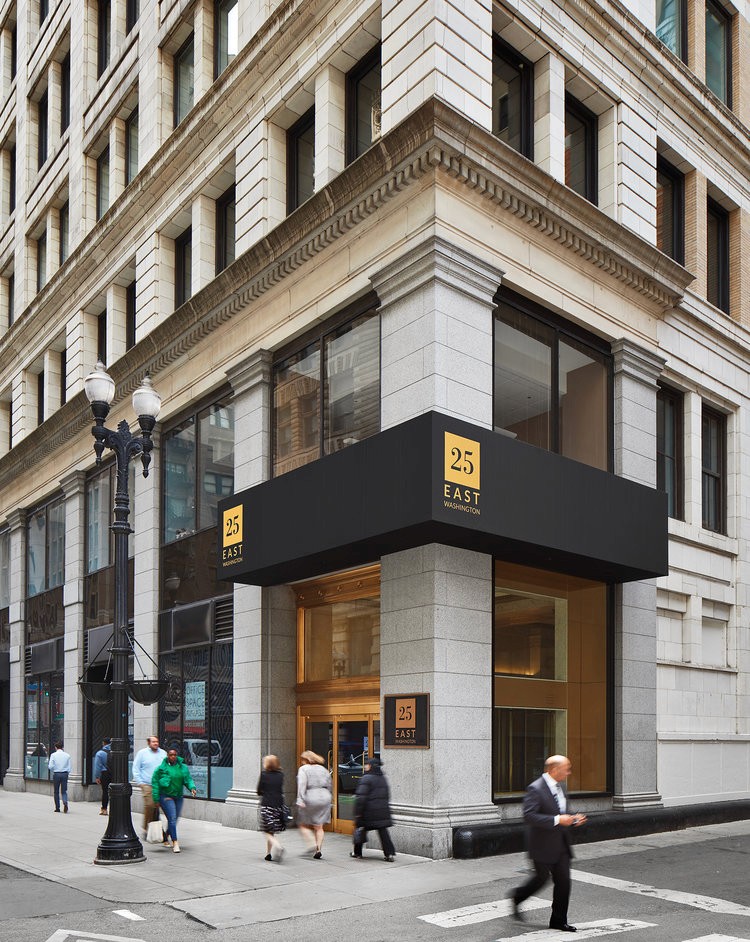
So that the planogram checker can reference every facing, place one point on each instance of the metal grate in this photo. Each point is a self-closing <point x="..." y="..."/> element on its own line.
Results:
<point x="27" y="661"/>
<point x="224" y="618"/>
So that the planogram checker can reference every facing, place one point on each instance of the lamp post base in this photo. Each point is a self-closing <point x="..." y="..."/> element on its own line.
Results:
<point x="120" y="845"/>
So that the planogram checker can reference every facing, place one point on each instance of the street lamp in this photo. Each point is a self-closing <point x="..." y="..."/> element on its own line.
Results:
<point x="120" y="844"/>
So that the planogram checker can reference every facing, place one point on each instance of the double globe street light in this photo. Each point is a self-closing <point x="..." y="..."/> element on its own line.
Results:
<point x="119" y="844"/>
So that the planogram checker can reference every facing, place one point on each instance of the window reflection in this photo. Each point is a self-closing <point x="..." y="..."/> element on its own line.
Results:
<point x="511" y="98"/>
<point x="364" y="119"/>
<point x="342" y="639"/>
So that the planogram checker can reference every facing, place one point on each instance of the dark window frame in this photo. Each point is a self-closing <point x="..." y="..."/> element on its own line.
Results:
<point x="721" y="216"/>
<point x="677" y="401"/>
<point x="724" y="15"/>
<point x="218" y="10"/>
<point x="182" y="291"/>
<point x="227" y="198"/>
<point x="526" y="69"/>
<point x="103" y="35"/>
<point x="101" y="336"/>
<point x="40" y="397"/>
<point x="365" y="64"/>
<point x="130" y="314"/>
<point x="132" y="14"/>
<point x="566" y="331"/>
<point x="719" y="475"/>
<point x="42" y="119"/>
<point x="295" y="132"/>
<point x="11" y="300"/>
<point x="13" y="51"/>
<point x="63" y="376"/>
<point x="132" y="118"/>
<point x="176" y="63"/>
<point x="677" y="180"/>
<point x="43" y="11"/>
<point x="41" y="262"/>
<point x="370" y="302"/>
<point x="64" y="232"/>
<point x="101" y="160"/>
<point x="590" y="122"/>
<point x="12" y="180"/>
<point x="65" y="93"/>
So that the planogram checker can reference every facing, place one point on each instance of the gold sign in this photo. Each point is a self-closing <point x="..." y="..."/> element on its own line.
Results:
<point x="232" y="535"/>
<point x="406" y="720"/>
<point x="461" y="473"/>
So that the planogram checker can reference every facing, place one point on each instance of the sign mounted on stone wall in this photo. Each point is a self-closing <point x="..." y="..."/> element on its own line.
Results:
<point x="406" y="720"/>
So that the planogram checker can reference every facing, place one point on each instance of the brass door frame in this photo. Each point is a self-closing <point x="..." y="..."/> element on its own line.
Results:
<point x="335" y="714"/>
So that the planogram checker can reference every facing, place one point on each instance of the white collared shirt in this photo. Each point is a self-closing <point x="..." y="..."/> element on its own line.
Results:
<point x="59" y="761"/>
<point x="557" y="793"/>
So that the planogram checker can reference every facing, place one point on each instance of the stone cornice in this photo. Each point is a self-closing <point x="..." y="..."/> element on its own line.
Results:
<point x="435" y="139"/>
<point x="251" y="372"/>
<point x="637" y="362"/>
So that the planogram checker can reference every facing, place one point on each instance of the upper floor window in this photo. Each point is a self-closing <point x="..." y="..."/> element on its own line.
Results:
<point x="718" y="51"/>
<point x="512" y="98"/>
<point x="63" y="376"/>
<point x="183" y="80"/>
<point x="183" y="263"/>
<point x="131" y="146"/>
<point x="102" y="183"/>
<point x="671" y="25"/>
<point x="552" y="385"/>
<point x="670" y="211"/>
<point x="43" y="10"/>
<point x="225" y="234"/>
<point x="13" y="51"/>
<point x="227" y="34"/>
<point x="198" y="460"/>
<point x="363" y="109"/>
<point x="300" y="161"/>
<point x="65" y="93"/>
<point x="669" y="451"/>
<point x="713" y="472"/>
<point x="104" y="27"/>
<point x="64" y="231"/>
<point x="41" y="262"/>
<point x="42" y="129"/>
<point x="130" y="315"/>
<point x="45" y="548"/>
<point x="132" y="12"/>
<point x="326" y="393"/>
<point x="40" y="397"/>
<point x="101" y="336"/>
<point x="581" y="148"/>
<point x="12" y="179"/>
<point x="717" y="256"/>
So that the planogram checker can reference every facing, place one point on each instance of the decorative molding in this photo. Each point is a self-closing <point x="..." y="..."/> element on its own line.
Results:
<point x="73" y="484"/>
<point x="636" y="362"/>
<point x="254" y="371"/>
<point x="635" y="802"/>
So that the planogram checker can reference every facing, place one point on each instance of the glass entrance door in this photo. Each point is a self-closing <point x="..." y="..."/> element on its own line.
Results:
<point x="345" y="741"/>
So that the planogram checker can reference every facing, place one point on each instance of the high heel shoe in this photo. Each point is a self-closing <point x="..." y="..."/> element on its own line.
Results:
<point x="317" y="855"/>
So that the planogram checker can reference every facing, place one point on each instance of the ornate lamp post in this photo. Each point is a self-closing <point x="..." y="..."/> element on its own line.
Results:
<point x="120" y="844"/>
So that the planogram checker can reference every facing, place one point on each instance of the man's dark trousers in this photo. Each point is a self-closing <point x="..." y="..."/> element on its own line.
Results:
<point x="560" y="873"/>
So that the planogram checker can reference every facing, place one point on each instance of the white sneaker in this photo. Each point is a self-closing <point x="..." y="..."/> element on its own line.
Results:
<point x="175" y="847"/>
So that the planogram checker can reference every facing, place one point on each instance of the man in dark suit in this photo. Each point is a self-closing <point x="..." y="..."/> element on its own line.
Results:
<point x="545" y="810"/>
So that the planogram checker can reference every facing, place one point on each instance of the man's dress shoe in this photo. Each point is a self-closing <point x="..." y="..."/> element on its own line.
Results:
<point x="562" y="927"/>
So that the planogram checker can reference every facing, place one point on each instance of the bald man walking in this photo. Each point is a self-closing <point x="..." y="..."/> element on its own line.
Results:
<point x="548" y="823"/>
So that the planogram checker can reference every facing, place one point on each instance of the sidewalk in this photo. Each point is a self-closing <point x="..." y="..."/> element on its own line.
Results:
<point x="221" y="879"/>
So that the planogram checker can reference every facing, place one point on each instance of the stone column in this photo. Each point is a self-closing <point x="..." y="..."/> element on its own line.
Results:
<point x="549" y="116"/>
<point x="436" y="601"/>
<point x="14" y="780"/>
<point x="635" y="745"/>
<point x="251" y="382"/>
<point x="74" y="488"/>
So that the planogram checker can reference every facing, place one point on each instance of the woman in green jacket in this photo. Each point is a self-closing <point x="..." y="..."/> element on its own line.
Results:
<point x="168" y="783"/>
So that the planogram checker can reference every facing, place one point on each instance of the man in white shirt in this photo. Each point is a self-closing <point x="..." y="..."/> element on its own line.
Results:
<point x="59" y="766"/>
<point x="146" y="762"/>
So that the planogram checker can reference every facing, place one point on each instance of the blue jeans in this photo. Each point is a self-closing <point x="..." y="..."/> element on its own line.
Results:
<point x="171" y="808"/>
<point x="60" y="782"/>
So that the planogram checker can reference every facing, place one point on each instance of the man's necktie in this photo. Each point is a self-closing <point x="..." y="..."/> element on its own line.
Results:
<point x="559" y="798"/>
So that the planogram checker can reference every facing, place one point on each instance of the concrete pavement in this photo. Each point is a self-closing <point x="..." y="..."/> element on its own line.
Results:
<point x="221" y="879"/>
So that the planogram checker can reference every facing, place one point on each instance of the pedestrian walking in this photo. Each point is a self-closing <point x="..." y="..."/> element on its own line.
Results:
<point x="168" y="786"/>
<point x="372" y="809"/>
<point x="145" y="763"/>
<point x="59" y="766"/>
<point x="548" y="822"/>
<point x="102" y="772"/>
<point x="272" y="810"/>
<point x="314" y="795"/>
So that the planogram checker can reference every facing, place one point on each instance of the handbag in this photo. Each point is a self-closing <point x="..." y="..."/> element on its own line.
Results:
<point x="154" y="834"/>
<point x="359" y="836"/>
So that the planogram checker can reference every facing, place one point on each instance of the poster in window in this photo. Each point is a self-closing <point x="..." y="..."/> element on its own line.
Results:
<point x="195" y="701"/>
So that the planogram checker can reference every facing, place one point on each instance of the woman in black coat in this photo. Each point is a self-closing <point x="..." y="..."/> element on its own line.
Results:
<point x="272" y="813"/>
<point x="372" y="810"/>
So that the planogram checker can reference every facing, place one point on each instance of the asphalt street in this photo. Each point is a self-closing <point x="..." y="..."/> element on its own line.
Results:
<point x="680" y="887"/>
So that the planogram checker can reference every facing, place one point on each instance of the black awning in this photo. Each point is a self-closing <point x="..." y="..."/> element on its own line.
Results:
<point x="435" y="479"/>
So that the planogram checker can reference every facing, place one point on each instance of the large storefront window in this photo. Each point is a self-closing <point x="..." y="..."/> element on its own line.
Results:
<point x="552" y="387"/>
<point x="195" y="718"/>
<point x="550" y="669"/>
<point x="45" y="572"/>
<point x="335" y="375"/>
<point x="44" y="721"/>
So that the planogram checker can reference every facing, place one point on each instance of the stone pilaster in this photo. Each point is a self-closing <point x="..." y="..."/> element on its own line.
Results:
<point x="14" y="777"/>
<point x="635" y="745"/>
<point x="74" y="489"/>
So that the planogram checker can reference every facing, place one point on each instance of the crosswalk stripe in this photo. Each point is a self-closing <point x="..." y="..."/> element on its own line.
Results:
<point x="126" y="914"/>
<point x="708" y="903"/>
<point x="482" y="912"/>
<point x="717" y="938"/>
<point x="586" y="930"/>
